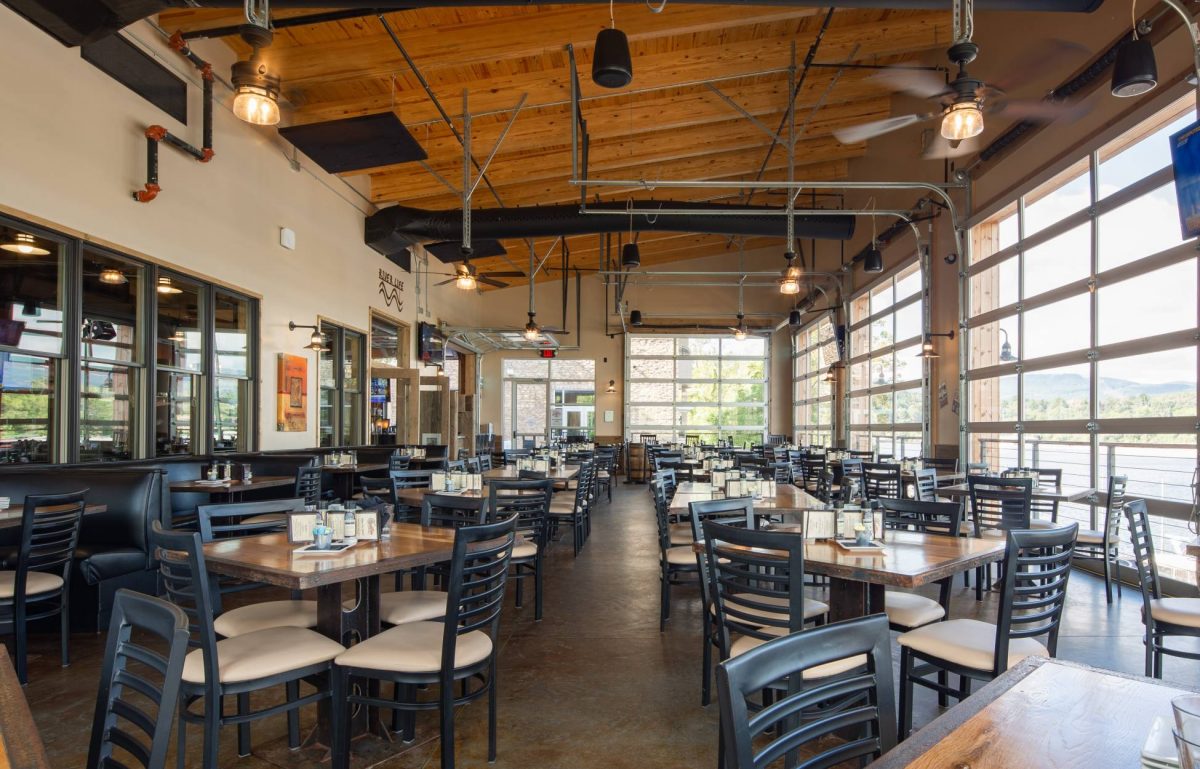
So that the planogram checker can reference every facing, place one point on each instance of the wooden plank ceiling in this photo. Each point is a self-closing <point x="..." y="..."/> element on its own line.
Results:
<point x="667" y="124"/>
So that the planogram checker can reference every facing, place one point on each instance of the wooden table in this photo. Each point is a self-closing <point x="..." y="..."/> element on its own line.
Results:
<point x="1047" y="493"/>
<point x="20" y="744"/>
<point x="510" y="473"/>
<point x="234" y="489"/>
<point x="270" y="558"/>
<point x="344" y="475"/>
<point x="1042" y="714"/>
<point x="788" y="499"/>
<point x="10" y="517"/>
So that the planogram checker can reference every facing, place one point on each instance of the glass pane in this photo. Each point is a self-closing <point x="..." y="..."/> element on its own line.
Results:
<point x="1158" y="466"/>
<point x="1059" y="393"/>
<point x="860" y="341"/>
<point x="352" y="350"/>
<point x="1058" y="261"/>
<point x="908" y="364"/>
<point x="573" y="369"/>
<point x="110" y="308"/>
<point x="385" y="342"/>
<point x="178" y="343"/>
<point x="994" y="399"/>
<point x="640" y="392"/>
<point x="909" y="322"/>
<point x="689" y="416"/>
<point x="994" y="287"/>
<point x="881" y="370"/>
<point x="751" y="346"/>
<point x="174" y="411"/>
<point x="859" y="411"/>
<point x="230" y="414"/>
<point x="697" y="369"/>
<point x="232" y="323"/>
<point x="1059" y="327"/>
<point x="106" y="418"/>
<point x="742" y="369"/>
<point x="860" y="375"/>
<point x="742" y="393"/>
<point x="524" y="368"/>
<point x="881" y="409"/>
<point x="1145" y="156"/>
<point x="908" y="282"/>
<point x="994" y="343"/>
<point x="1070" y="453"/>
<point x="1153" y="303"/>
<point x="696" y="393"/>
<point x="881" y="332"/>
<point x="743" y="416"/>
<point x="325" y="418"/>
<point x="26" y="408"/>
<point x="651" y="415"/>
<point x="698" y="345"/>
<point x="651" y="345"/>
<point x="1140" y="228"/>
<point x="882" y="297"/>
<point x="351" y="416"/>
<point x="860" y="308"/>
<point x="1158" y="384"/>
<point x="651" y="368"/>
<point x="29" y="286"/>
<point x="1058" y="198"/>
<point x="997" y="450"/>
<point x="908" y="405"/>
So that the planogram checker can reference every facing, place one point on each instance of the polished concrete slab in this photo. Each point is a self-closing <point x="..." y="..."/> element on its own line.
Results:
<point x="595" y="684"/>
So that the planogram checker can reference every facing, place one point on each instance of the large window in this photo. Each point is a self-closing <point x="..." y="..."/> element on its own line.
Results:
<point x="814" y="350"/>
<point x="705" y="386"/>
<point x="1082" y="318"/>
<point x="547" y="399"/>
<point x="340" y="377"/>
<point x="886" y="390"/>
<point x="105" y="357"/>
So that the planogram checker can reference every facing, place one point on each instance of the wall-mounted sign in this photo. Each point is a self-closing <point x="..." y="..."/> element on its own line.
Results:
<point x="1185" y="156"/>
<point x="391" y="289"/>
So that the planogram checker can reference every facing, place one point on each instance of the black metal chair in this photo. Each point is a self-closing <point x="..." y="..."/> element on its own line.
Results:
<point x="234" y="667"/>
<point x="1103" y="544"/>
<point x="40" y="586"/>
<point x="245" y="519"/>
<point x="576" y="511"/>
<point x="859" y="709"/>
<point x="410" y="479"/>
<point x="308" y="484"/>
<point x="398" y="461"/>
<point x="530" y="502"/>
<point x="925" y="485"/>
<point x="512" y="455"/>
<point x="1037" y="567"/>
<point x="998" y="505"/>
<point x="124" y="732"/>
<point x="606" y="463"/>
<point x="906" y="611"/>
<point x="812" y="472"/>
<point x="675" y="561"/>
<point x="882" y="480"/>
<point x="485" y="462"/>
<point x="1163" y="617"/>
<point x="936" y="463"/>
<point x="1043" y="513"/>
<point x="780" y="472"/>
<point x="459" y="651"/>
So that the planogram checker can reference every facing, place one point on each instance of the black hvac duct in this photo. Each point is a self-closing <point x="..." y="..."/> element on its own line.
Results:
<point x="74" y="22"/>
<point x="394" y="229"/>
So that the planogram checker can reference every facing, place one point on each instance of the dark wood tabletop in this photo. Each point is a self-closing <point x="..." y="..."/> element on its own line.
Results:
<point x="788" y="499"/>
<point x="234" y="487"/>
<point x="361" y="467"/>
<point x="909" y="558"/>
<point x="1042" y="714"/>
<point x="510" y="473"/>
<point x="20" y="744"/>
<point x="270" y="558"/>
<point x="10" y="516"/>
<point x="1047" y="493"/>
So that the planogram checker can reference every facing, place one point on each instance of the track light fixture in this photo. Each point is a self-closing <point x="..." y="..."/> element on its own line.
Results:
<point x="612" y="66"/>
<point x="316" y="341"/>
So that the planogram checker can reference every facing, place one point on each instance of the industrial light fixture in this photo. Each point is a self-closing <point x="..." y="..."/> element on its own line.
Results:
<point x="962" y="120"/>
<point x="1006" y="353"/>
<point x="631" y="257"/>
<point x="256" y="90"/>
<point x="612" y="386"/>
<point x="111" y="276"/>
<point x="25" y="244"/>
<point x="1134" y="71"/>
<point x="532" y="331"/>
<point x="316" y="341"/>
<point x="790" y="282"/>
<point x="740" y="331"/>
<point x="829" y="377"/>
<point x="635" y="317"/>
<point x="794" y="318"/>
<point x="164" y="287"/>
<point x="465" y="281"/>
<point x="927" y="350"/>
<point x="612" y="65"/>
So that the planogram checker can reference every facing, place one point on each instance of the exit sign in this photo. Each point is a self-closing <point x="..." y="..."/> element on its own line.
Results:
<point x="548" y="352"/>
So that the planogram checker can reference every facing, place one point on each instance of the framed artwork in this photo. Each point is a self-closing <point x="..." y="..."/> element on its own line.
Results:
<point x="291" y="394"/>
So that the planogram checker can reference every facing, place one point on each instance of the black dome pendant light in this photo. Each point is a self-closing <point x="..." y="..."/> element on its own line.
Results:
<point x="612" y="66"/>
<point x="631" y="256"/>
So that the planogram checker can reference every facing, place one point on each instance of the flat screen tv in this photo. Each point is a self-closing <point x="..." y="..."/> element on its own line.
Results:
<point x="431" y="345"/>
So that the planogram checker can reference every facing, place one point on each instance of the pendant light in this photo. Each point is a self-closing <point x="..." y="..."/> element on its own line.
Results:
<point x="166" y="288"/>
<point x="963" y="120"/>
<point x="635" y="317"/>
<point x="1134" y="71"/>
<point x="532" y="331"/>
<point x="1006" y="353"/>
<point x="256" y="90"/>
<point x="612" y="66"/>
<point x="794" y="318"/>
<point x="873" y="259"/>
<point x="111" y="276"/>
<point x="740" y="331"/>
<point x="25" y="244"/>
<point x="631" y="257"/>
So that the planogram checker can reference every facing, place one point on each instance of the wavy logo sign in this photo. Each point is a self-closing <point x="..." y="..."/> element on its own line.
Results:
<point x="391" y="289"/>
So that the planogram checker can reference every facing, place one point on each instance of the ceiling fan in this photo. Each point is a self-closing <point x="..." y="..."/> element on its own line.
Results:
<point x="963" y="102"/>
<point x="467" y="276"/>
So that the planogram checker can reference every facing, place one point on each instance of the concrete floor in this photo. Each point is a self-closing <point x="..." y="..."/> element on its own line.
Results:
<point x="595" y="684"/>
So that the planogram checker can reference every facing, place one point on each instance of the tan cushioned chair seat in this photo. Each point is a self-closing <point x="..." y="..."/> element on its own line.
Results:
<point x="681" y="556"/>
<point x="35" y="582"/>
<point x="681" y="534"/>
<point x="746" y="643"/>
<point x="415" y="647"/>
<point x="563" y="508"/>
<point x="1090" y="537"/>
<point x="263" y="653"/>
<point x="260" y="616"/>
<point x="1044" y="523"/>
<point x="812" y="607"/>
<point x="910" y="609"/>
<point x="412" y="606"/>
<point x="968" y="642"/>
<point x="523" y="548"/>
<point x="1177" y="611"/>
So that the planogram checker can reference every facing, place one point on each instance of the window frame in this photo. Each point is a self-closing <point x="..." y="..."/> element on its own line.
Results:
<point x="336" y="340"/>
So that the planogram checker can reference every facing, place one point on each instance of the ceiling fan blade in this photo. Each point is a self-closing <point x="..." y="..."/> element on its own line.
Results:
<point x="864" y="131"/>
<point x="940" y="148"/>
<point x="922" y="83"/>
<point x="444" y="282"/>
<point x="486" y="279"/>
<point x="509" y="274"/>
<point x="1054" y="56"/>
